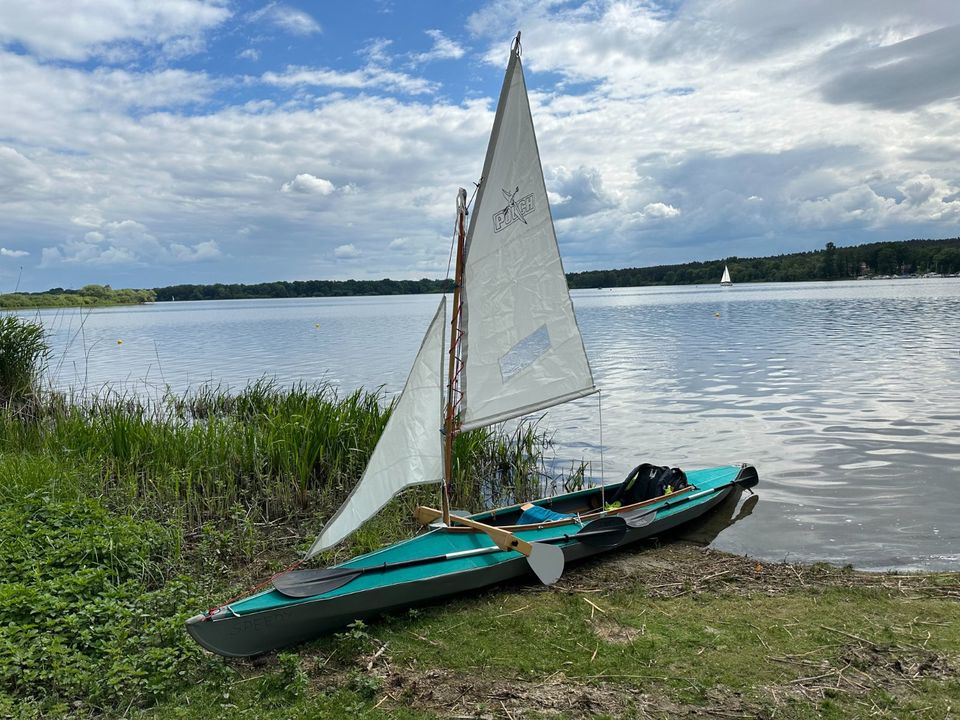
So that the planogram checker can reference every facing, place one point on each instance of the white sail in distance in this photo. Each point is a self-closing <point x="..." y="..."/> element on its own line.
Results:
<point x="725" y="280"/>
<point x="410" y="450"/>
<point x="521" y="349"/>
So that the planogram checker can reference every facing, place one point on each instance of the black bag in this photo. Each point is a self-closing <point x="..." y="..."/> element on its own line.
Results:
<point x="646" y="482"/>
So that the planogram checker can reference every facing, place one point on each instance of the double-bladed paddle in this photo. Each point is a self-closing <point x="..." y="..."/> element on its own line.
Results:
<point x="605" y="532"/>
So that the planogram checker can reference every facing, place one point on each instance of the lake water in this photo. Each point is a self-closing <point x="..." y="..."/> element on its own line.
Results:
<point x="846" y="396"/>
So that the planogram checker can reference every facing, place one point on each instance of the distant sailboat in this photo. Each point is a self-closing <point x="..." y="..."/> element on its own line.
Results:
<point x="725" y="280"/>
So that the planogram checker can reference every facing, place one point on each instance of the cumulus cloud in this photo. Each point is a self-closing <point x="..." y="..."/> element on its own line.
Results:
<point x="577" y="192"/>
<point x="370" y="76"/>
<point x="125" y="242"/>
<point x="660" y="210"/>
<point x="67" y="30"/>
<point x="5" y="252"/>
<point x="443" y="49"/>
<point x="346" y="252"/>
<point x="206" y="250"/>
<point x="286" y="18"/>
<point x="308" y="184"/>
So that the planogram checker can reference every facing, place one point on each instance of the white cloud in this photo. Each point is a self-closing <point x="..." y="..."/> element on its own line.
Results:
<point x="660" y="210"/>
<point x="206" y="250"/>
<point x="5" y="252"/>
<point x="371" y="76"/>
<point x="443" y="49"/>
<point x="69" y="30"/>
<point x="286" y="18"/>
<point x="251" y="54"/>
<point x="346" y="252"/>
<point x="308" y="184"/>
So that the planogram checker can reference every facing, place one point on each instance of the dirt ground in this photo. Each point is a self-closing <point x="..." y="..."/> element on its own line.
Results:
<point x="859" y="666"/>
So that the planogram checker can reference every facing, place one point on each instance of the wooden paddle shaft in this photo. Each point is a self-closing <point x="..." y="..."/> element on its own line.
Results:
<point x="503" y="539"/>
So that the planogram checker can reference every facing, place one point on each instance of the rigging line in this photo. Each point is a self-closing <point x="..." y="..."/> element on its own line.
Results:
<point x="603" y="498"/>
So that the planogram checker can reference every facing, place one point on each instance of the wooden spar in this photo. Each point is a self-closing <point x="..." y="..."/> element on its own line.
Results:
<point x="452" y="370"/>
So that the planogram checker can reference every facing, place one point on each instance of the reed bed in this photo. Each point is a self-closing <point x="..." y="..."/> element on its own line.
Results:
<point x="279" y="452"/>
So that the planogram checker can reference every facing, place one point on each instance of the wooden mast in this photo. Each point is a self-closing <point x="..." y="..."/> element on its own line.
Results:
<point x="453" y="369"/>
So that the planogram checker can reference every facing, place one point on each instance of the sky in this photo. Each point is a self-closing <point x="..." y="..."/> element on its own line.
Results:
<point x="146" y="143"/>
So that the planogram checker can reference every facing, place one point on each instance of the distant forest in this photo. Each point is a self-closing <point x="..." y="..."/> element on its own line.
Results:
<point x="910" y="257"/>
<point x="303" y="288"/>
<point x="885" y="259"/>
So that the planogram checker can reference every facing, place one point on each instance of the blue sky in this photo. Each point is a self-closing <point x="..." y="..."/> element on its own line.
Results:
<point x="151" y="142"/>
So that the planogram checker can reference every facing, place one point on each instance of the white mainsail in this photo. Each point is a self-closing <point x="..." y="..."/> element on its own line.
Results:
<point x="725" y="280"/>
<point x="521" y="349"/>
<point x="410" y="450"/>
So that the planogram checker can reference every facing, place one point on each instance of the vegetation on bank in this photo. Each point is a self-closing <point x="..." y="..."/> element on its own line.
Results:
<point x="119" y="518"/>
<point x="302" y="288"/>
<point x="831" y="263"/>
<point x="87" y="296"/>
<point x="911" y="257"/>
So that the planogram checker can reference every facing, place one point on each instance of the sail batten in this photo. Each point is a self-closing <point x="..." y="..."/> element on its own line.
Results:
<point x="410" y="450"/>
<point x="521" y="350"/>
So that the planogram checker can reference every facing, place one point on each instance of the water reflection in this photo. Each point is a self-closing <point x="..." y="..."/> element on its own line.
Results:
<point x="846" y="396"/>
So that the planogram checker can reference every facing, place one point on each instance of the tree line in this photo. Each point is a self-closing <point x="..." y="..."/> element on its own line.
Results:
<point x="909" y="257"/>
<point x="88" y="295"/>
<point x="302" y="288"/>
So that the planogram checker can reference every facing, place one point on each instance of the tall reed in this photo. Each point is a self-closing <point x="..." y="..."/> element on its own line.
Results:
<point x="23" y="355"/>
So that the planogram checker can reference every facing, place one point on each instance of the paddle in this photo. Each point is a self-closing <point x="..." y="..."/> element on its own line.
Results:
<point x="546" y="561"/>
<point x="604" y="532"/>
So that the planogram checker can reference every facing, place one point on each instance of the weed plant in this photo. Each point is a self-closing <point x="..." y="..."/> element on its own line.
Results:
<point x="23" y="355"/>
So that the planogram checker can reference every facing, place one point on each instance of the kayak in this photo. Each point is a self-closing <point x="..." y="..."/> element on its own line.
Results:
<point x="447" y="561"/>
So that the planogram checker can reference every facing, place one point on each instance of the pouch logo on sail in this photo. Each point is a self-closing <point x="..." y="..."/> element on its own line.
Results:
<point x="515" y="209"/>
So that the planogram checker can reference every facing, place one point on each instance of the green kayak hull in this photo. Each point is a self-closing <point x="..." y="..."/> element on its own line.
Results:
<point x="270" y="620"/>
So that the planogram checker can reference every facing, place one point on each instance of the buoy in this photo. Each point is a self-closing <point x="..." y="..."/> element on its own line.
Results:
<point x="316" y="325"/>
<point x="119" y="342"/>
<point x="716" y="314"/>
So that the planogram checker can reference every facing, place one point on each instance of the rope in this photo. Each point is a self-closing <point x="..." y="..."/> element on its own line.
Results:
<point x="603" y="498"/>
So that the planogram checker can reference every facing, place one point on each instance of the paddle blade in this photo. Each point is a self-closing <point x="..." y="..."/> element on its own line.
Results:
<point x="307" y="583"/>
<point x="546" y="561"/>
<point x="640" y="518"/>
<point x="748" y="477"/>
<point x="603" y="532"/>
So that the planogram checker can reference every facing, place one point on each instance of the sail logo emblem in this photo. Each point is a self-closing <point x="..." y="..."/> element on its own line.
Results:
<point x="516" y="209"/>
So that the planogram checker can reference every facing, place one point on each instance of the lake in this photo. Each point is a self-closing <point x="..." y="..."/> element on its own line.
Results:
<point x="846" y="396"/>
